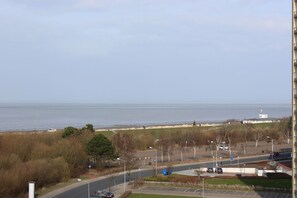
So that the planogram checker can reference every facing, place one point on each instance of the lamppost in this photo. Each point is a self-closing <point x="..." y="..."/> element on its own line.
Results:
<point x="124" y="175"/>
<point x="156" y="162"/>
<point x="216" y="147"/>
<point x="124" y="172"/>
<point x="217" y="157"/>
<point x="231" y="157"/>
<point x="203" y="188"/>
<point x="156" y="141"/>
<point x="89" y="167"/>
<point x="271" y="147"/>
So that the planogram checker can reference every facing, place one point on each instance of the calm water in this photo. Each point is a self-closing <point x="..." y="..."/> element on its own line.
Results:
<point x="45" y="116"/>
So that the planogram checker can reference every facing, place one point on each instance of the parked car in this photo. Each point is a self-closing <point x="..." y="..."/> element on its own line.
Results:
<point x="99" y="193"/>
<point x="103" y="194"/>
<point x="209" y="170"/>
<point x="109" y="195"/>
<point x="222" y="147"/>
<point x="219" y="170"/>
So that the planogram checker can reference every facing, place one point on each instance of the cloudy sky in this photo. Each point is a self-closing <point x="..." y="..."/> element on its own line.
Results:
<point x="145" y="51"/>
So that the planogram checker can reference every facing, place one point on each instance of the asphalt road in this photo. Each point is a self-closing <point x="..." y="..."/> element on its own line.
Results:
<point x="82" y="191"/>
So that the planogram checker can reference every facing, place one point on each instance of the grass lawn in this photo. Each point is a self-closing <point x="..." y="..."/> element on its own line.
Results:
<point x="259" y="182"/>
<point x="264" y="182"/>
<point x="156" y="196"/>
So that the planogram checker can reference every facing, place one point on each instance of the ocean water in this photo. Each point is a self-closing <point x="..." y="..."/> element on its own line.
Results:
<point x="45" y="116"/>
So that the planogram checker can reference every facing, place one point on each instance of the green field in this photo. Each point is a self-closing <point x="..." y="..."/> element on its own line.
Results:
<point x="257" y="182"/>
<point x="156" y="196"/>
<point x="263" y="182"/>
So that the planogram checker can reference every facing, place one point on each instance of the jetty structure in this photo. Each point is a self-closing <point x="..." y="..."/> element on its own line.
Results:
<point x="294" y="97"/>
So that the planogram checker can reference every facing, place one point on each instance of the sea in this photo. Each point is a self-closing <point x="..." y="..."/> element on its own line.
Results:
<point x="28" y="117"/>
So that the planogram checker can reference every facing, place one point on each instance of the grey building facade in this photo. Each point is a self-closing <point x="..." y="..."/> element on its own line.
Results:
<point x="294" y="96"/>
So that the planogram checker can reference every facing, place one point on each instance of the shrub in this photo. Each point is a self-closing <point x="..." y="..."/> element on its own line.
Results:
<point x="69" y="131"/>
<point x="74" y="154"/>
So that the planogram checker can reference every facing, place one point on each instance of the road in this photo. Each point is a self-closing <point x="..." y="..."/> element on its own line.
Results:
<point x="82" y="190"/>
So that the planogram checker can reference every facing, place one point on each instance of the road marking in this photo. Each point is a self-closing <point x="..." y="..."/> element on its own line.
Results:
<point x="276" y="194"/>
<point x="288" y="195"/>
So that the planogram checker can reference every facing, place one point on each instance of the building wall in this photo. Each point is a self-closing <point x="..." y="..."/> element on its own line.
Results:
<point x="294" y="93"/>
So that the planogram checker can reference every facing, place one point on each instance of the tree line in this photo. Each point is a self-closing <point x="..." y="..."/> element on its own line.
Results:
<point x="50" y="158"/>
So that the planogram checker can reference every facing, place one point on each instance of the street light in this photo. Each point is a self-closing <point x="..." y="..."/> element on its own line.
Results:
<point x="212" y="142"/>
<point x="156" y="162"/>
<point x="203" y="188"/>
<point x="124" y="172"/>
<point x="89" y="167"/>
<point x="156" y="141"/>
<point x="124" y="176"/>
<point x="271" y="147"/>
<point x="217" y="158"/>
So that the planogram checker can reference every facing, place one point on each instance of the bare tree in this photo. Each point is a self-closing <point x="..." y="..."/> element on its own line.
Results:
<point x="285" y="126"/>
<point x="165" y="142"/>
<point x="256" y="137"/>
<point x="125" y="147"/>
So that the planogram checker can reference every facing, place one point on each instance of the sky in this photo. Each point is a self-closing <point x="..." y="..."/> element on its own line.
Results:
<point x="145" y="51"/>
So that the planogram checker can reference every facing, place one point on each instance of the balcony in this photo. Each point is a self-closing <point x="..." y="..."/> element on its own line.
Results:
<point x="295" y="14"/>
<point x="295" y="62"/>
<point x="295" y="30"/>
<point x="295" y="46"/>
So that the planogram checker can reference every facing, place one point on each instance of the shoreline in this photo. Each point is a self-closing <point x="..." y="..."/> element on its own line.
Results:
<point x="167" y="126"/>
<point x="154" y="126"/>
<point x="123" y="127"/>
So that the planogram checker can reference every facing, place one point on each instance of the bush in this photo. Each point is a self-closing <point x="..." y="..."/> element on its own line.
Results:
<point x="7" y="161"/>
<point x="69" y="131"/>
<point x="74" y="154"/>
<point x="14" y="182"/>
